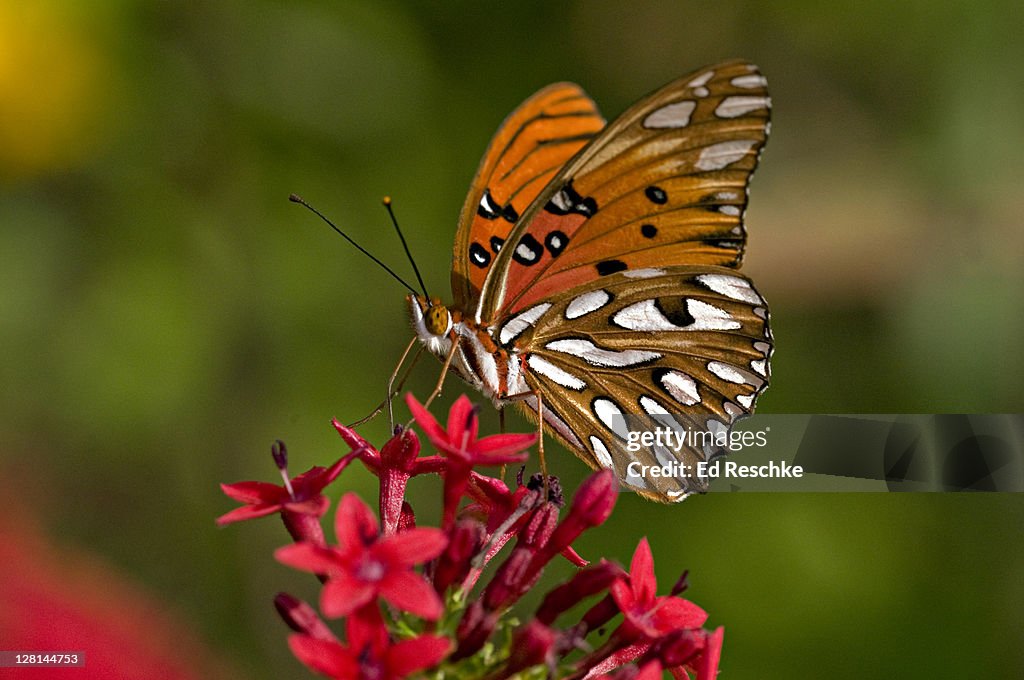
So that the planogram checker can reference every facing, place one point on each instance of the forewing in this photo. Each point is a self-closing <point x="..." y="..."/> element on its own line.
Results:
<point x="530" y="147"/>
<point x="665" y="184"/>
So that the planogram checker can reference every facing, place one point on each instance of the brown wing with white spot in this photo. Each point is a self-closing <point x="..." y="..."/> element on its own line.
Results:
<point x="663" y="185"/>
<point x="685" y="347"/>
<point x="530" y="147"/>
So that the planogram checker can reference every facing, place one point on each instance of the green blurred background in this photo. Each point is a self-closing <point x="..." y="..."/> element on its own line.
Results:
<point x="165" y="313"/>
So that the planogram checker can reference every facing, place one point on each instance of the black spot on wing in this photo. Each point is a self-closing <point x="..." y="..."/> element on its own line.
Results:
<point x="510" y="214"/>
<point x="610" y="267"/>
<point x="488" y="208"/>
<point x="556" y="241"/>
<point x="656" y="195"/>
<point x="674" y="309"/>
<point x="528" y="251"/>
<point x="478" y="255"/>
<point x="648" y="230"/>
<point x="567" y="200"/>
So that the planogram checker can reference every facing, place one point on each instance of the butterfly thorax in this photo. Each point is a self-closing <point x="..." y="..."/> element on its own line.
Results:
<point x="478" y="359"/>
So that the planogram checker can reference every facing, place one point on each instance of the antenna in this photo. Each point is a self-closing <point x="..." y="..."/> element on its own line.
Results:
<point x="298" y="199"/>
<point x="387" y="204"/>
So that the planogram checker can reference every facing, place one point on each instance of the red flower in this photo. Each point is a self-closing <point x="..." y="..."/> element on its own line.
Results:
<point x="646" y="613"/>
<point x="463" y="448"/>
<point x="299" y="500"/>
<point x="369" y="653"/>
<point x="366" y="565"/>
<point x="459" y="440"/>
<point x="394" y="465"/>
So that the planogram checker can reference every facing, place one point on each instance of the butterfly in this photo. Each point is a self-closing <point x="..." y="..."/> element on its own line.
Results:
<point x="594" y="272"/>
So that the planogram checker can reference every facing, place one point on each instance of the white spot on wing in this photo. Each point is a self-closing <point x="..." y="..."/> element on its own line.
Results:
<point x="749" y="82"/>
<point x="519" y="323"/>
<point x="737" y="105"/>
<point x="646" y="273"/>
<point x="526" y="252"/>
<point x="681" y="387"/>
<point x="675" y="115"/>
<point x="604" y="458"/>
<point x="552" y="372"/>
<point x="663" y="418"/>
<point x="677" y="495"/>
<point x="702" y="79"/>
<point x="699" y="82"/>
<point x="732" y="210"/>
<point x="726" y="372"/>
<point x="562" y="200"/>
<point x="760" y="367"/>
<point x="587" y="303"/>
<point x="643" y="316"/>
<point x="732" y="287"/>
<point x="762" y="347"/>
<point x="745" y="400"/>
<point x="722" y="154"/>
<point x="597" y="356"/>
<point x="710" y="318"/>
<point x="611" y="416"/>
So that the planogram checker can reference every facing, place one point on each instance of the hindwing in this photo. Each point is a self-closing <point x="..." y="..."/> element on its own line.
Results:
<point x="686" y="347"/>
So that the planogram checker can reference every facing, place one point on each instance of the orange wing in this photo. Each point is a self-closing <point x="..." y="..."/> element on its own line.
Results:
<point x="665" y="184"/>
<point x="530" y="147"/>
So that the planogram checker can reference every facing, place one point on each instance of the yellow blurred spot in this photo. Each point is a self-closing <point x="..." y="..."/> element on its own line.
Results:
<point x="51" y="77"/>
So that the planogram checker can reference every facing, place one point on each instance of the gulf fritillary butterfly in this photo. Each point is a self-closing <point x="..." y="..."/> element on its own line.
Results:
<point x="595" y="269"/>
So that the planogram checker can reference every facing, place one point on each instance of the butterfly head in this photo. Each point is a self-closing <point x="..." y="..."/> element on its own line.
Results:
<point x="432" y="319"/>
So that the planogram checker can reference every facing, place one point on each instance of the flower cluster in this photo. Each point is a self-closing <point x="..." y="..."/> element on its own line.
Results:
<point x="413" y="599"/>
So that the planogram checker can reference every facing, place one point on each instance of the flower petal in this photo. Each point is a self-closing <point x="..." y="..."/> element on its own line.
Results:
<point x="462" y="423"/>
<point x="313" y="506"/>
<point x="366" y="628"/>
<point x="324" y="656"/>
<point x="247" y="512"/>
<point x="352" y="438"/>
<point x="309" y="557"/>
<point x="707" y="665"/>
<point x="342" y="595"/>
<point x="414" y="546"/>
<point x="254" y="492"/>
<point x="506" y="445"/>
<point x="641" y="572"/>
<point x="410" y="592"/>
<point x="355" y="525"/>
<point x="674" y="613"/>
<point x="409" y="656"/>
<point x="435" y="433"/>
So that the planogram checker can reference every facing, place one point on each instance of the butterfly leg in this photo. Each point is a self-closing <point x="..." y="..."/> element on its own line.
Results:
<point x="444" y="371"/>
<point x="391" y="390"/>
<point x="540" y="431"/>
<point x="391" y="381"/>
<point x="540" y="442"/>
<point x="501" y="429"/>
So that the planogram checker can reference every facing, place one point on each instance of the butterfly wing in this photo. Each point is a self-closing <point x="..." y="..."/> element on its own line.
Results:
<point x="529" y="148"/>
<point x="688" y="349"/>
<point x="666" y="183"/>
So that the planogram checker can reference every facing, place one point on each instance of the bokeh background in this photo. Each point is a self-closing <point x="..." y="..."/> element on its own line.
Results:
<point x="165" y="313"/>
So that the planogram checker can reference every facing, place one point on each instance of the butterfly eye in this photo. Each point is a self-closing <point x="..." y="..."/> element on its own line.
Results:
<point x="437" y="319"/>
